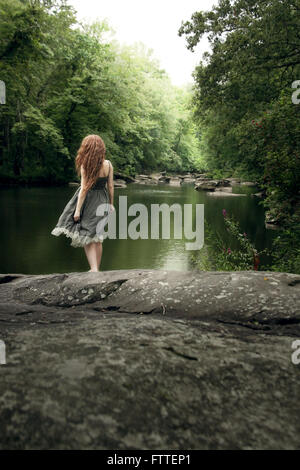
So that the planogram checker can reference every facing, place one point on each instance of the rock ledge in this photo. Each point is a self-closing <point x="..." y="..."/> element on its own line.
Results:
<point x="146" y="359"/>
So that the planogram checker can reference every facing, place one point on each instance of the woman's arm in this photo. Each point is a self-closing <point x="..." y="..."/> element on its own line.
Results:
<point x="110" y="184"/>
<point x="81" y="195"/>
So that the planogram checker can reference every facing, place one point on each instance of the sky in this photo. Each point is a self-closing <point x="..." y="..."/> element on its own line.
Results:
<point x="156" y="24"/>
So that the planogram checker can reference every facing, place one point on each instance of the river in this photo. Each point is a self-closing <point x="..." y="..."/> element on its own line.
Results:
<point x="30" y="213"/>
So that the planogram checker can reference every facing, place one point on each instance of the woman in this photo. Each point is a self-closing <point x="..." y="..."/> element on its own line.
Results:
<point x="78" y="219"/>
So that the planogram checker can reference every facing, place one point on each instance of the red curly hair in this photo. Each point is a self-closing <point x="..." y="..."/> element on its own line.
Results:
<point x="91" y="155"/>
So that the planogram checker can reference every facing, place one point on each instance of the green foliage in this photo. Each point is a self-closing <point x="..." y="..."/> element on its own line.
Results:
<point x="243" y="100"/>
<point x="247" y="77"/>
<point x="236" y="254"/>
<point x="65" y="80"/>
<point x="286" y="250"/>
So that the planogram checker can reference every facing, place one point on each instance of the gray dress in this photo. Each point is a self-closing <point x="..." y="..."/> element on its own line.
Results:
<point x="90" y="227"/>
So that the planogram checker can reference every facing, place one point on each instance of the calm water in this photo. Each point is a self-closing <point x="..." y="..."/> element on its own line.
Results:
<point x="29" y="214"/>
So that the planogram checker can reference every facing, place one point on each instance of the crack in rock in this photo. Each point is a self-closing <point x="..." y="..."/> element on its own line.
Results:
<point x="294" y="282"/>
<point x="5" y="278"/>
<point x="185" y="356"/>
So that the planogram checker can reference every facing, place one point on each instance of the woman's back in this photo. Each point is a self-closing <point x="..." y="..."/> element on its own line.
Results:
<point x="100" y="183"/>
<point x="104" y="172"/>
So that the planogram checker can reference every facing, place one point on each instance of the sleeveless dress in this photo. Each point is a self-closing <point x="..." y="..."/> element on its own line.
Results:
<point x="90" y="226"/>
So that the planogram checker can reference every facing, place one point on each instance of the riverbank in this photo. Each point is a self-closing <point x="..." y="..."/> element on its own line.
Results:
<point x="151" y="178"/>
<point x="144" y="359"/>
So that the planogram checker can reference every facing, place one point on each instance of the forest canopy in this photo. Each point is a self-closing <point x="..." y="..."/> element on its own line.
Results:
<point x="65" y="80"/>
<point x="243" y="92"/>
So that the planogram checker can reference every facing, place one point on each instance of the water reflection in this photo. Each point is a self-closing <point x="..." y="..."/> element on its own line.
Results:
<point x="29" y="215"/>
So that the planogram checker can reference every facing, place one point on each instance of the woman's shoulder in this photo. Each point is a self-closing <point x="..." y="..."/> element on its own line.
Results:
<point x="110" y="166"/>
<point x="107" y="166"/>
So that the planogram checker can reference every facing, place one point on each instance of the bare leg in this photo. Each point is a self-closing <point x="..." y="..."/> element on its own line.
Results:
<point x="91" y="254"/>
<point x="99" y="249"/>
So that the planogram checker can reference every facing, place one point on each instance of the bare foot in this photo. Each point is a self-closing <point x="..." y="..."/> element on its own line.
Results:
<point x="93" y="271"/>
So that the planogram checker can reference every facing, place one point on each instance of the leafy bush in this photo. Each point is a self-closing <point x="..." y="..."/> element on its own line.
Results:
<point x="218" y="256"/>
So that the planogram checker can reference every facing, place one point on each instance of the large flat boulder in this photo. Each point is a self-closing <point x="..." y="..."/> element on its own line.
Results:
<point x="146" y="359"/>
